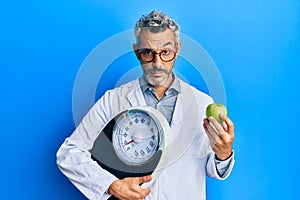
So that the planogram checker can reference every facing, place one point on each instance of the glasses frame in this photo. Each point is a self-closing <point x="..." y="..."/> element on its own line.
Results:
<point x="138" y="52"/>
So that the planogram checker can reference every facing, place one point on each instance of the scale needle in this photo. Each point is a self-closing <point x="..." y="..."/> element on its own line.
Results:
<point x="128" y="142"/>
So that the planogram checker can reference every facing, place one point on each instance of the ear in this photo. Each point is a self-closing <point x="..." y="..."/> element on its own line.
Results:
<point x="134" y="46"/>
<point x="178" y="48"/>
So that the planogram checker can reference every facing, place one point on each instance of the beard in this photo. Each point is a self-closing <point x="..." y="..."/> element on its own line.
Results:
<point x="157" y="81"/>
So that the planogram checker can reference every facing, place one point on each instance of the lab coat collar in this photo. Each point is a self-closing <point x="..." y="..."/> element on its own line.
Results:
<point x="135" y="95"/>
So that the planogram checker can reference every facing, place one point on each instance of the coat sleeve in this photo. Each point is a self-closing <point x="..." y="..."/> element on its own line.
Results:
<point x="219" y="169"/>
<point x="74" y="159"/>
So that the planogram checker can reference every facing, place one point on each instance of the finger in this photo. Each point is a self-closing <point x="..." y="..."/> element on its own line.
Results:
<point x="145" y="191"/>
<point x="205" y="122"/>
<point x="144" y="179"/>
<point x="205" y="125"/>
<point x="215" y="123"/>
<point x="141" y="192"/>
<point x="218" y="127"/>
<point x="135" y="191"/>
<point x="212" y="141"/>
<point x="230" y="125"/>
<point x="224" y="124"/>
<point x="211" y="132"/>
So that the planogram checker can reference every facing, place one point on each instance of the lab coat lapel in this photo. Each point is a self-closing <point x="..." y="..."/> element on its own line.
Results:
<point x="177" y="119"/>
<point x="135" y="95"/>
<point x="184" y="126"/>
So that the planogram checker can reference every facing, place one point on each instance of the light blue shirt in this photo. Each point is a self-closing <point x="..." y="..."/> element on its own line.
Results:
<point x="165" y="105"/>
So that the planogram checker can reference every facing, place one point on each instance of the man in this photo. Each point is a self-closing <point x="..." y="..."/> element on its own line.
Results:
<point x="200" y="147"/>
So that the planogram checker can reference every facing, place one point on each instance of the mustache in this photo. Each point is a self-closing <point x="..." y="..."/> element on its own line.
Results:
<point x="155" y="69"/>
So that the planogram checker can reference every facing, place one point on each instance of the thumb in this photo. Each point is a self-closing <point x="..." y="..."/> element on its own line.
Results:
<point x="144" y="179"/>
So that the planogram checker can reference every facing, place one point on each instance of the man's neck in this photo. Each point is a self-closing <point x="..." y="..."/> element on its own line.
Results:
<point x="160" y="90"/>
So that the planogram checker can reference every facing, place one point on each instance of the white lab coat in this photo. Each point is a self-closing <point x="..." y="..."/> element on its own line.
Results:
<point x="190" y="158"/>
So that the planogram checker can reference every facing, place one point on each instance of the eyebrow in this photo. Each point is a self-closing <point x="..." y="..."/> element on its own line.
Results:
<point x="168" y="43"/>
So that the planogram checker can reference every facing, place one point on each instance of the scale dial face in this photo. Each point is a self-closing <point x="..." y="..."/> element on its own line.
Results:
<point x="136" y="137"/>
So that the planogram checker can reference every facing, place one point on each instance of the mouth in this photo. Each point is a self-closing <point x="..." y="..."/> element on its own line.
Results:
<point x="156" y="73"/>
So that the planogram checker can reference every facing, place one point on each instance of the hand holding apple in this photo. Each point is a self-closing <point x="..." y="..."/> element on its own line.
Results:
<point x="220" y="130"/>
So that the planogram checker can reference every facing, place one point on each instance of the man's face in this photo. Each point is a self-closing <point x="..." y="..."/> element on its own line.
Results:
<point x="157" y="72"/>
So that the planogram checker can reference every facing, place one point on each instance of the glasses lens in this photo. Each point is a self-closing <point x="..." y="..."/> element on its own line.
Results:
<point x="147" y="55"/>
<point x="167" y="55"/>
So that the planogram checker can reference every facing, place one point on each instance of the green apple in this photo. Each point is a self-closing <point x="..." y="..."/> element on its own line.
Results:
<point x="215" y="110"/>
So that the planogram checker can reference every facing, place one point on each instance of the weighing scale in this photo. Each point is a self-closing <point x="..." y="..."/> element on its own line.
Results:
<point x="132" y="143"/>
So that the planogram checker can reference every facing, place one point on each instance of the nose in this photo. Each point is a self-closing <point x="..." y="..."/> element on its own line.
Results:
<point x="157" y="60"/>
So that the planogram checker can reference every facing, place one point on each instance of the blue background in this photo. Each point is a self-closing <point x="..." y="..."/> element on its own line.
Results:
<point x="255" y="45"/>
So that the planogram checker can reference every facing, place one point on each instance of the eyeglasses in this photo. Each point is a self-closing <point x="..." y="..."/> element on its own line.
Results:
<point x="148" y="55"/>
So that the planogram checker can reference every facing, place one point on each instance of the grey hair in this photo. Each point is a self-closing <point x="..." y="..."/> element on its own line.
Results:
<point x="154" y="22"/>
